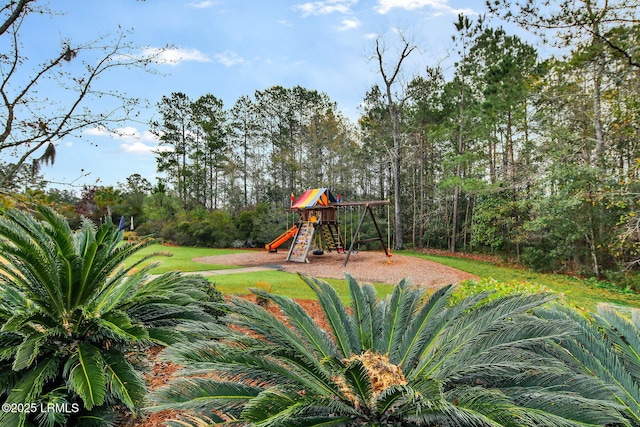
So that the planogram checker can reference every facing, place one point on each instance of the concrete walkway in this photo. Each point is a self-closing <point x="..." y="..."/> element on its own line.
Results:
<point x="230" y="271"/>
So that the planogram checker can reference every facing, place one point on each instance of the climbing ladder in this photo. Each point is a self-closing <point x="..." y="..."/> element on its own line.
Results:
<point x="302" y="242"/>
<point x="332" y="238"/>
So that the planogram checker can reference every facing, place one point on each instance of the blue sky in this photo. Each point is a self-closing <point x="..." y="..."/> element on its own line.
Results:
<point x="231" y="48"/>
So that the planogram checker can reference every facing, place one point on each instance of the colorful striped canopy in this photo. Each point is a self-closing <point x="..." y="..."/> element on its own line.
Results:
<point x="314" y="197"/>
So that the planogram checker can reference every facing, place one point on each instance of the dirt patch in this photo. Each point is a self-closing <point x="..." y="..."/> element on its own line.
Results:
<point x="369" y="266"/>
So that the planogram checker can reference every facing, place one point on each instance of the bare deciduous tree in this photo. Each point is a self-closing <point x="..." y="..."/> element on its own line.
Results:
<point x="43" y="102"/>
<point x="390" y="76"/>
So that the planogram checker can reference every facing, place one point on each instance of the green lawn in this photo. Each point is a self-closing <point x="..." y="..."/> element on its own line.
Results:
<point x="583" y="293"/>
<point x="181" y="258"/>
<point x="283" y="283"/>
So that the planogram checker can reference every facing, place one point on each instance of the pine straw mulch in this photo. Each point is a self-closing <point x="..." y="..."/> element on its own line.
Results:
<point x="162" y="373"/>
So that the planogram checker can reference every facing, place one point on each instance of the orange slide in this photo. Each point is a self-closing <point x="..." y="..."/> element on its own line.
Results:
<point x="273" y="246"/>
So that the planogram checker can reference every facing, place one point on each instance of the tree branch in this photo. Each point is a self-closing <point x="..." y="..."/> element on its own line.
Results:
<point x="15" y="14"/>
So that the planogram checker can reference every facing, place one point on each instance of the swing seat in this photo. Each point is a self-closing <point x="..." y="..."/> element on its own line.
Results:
<point x="318" y="252"/>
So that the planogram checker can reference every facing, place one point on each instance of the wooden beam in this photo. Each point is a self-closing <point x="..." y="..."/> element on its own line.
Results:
<point x="357" y="233"/>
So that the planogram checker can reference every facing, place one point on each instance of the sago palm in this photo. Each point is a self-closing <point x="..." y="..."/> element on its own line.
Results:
<point x="74" y="320"/>
<point x="402" y="361"/>
<point x="606" y="345"/>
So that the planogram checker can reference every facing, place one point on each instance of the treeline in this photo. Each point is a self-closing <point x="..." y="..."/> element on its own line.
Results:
<point x="530" y="158"/>
<point x="260" y="150"/>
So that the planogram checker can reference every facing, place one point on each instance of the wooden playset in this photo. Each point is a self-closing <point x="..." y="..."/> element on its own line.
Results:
<point x="318" y="224"/>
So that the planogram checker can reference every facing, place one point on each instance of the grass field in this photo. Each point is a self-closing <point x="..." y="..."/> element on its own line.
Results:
<point x="581" y="292"/>
<point x="181" y="258"/>
<point x="283" y="284"/>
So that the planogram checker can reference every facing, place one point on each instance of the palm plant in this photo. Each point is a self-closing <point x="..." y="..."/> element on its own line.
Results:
<point x="606" y="345"/>
<point x="75" y="320"/>
<point x="405" y="360"/>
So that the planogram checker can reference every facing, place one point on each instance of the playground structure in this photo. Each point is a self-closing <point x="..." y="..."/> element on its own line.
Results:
<point x="273" y="246"/>
<point x="318" y="223"/>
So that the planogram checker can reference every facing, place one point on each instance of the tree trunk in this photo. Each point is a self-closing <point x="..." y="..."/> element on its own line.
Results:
<point x="456" y="192"/>
<point x="389" y="80"/>
<point x="396" y="186"/>
<point x="597" y="111"/>
<point x="423" y="197"/>
<point x="454" y="218"/>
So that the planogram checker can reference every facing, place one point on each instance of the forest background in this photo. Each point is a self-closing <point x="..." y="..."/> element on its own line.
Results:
<point x="533" y="159"/>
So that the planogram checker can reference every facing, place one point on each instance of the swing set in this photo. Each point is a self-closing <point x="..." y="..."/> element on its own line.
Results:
<point x="318" y="225"/>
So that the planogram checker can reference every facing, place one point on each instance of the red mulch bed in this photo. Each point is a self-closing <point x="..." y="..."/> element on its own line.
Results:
<point x="163" y="372"/>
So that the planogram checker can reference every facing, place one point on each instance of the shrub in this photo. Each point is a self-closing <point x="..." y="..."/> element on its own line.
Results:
<point x="75" y="321"/>
<point x="407" y="360"/>
<point x="494" y="288"/>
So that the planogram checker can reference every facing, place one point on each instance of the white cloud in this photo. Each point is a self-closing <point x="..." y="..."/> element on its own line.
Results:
<point x="203" y="4"/>
<point x="133" y="141"/>
<point x="174" y="56"/>
<point x="228" y="58"/>
<point x="128" y="133"/>
<point x="139" y="147"/>
<point x="96" y="132"/>
<point x="325" y="7"/>
<point x="384" y="6"/>
<point x="349" y="24"/>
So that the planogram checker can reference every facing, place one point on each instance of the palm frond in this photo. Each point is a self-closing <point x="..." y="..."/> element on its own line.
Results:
<point x="111" y="294"/>
<point x="590" y="353"/>
<point x="119" y="325"/>
<point x="258" y="366"/>
<point x="61" y="237"/>
<point x="11" y="298"/>
<point x="31" y="384"/>
<point x="27" y="351"/>
<point x="102" y="260"/>
<point x="366" y="313"/>
<point x="502" y="351"/>
<point x="624" y="333"/>
<point x="57" y="399"/>
<point x="99" y="417"/>
<point x="304" y="324"/>
<point x="32" y="259"/>
<point x="423" y="328"/>
<point x="86" y="375"/>
<point x="269" y="327"/>
<point x="336" y="314"/>
<point x="9" y="342"/>
<point x="398" y="311"/>
<point x="124" y="381"/>
<point x="483" y="407"/>
<point x="571" y="408"/>
<point x="275" y="407"/>
<point x="357" y="377"/>
<point x="197" y="394"/>
<point x="426" y="392"/>
<point x="461" y="333"/>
